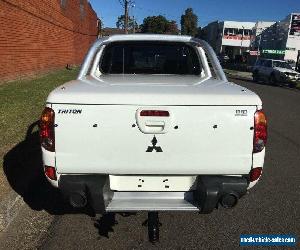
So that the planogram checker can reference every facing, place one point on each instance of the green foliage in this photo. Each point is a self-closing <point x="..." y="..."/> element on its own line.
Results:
<point x="199" y="32"/>
<point x="120" y="24"/>
<point x="22" y="102"/>
<point x="189" y="23"/>
<point x="159" y="25"/>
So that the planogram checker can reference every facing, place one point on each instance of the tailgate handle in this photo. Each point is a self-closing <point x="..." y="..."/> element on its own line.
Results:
<point x="153" y="120"/>
<point x="155" y="126"/>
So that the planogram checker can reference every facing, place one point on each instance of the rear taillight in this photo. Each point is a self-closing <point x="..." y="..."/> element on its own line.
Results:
<point x="255" y="173"/>
<point x="50" y="173"/>
<point x="164" y="113"/>
<point x="260" y="131"/>
<point x="47" y="129"/>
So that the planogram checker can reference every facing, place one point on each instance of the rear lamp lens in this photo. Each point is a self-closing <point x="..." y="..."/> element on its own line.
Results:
<point x="154" y="113"/>
<point x="254" y="174"/>
<point x="260" y="131"/>
<point x="50" y="173"/>
<point x="47" y="129"/>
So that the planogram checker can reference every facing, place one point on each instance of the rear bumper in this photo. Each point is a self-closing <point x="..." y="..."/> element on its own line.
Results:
<point x="94" y="191"/>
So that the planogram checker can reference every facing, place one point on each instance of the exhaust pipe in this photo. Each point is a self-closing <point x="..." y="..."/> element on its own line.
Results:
<point x="229" y="200"/>
<point x="78" y="199"/>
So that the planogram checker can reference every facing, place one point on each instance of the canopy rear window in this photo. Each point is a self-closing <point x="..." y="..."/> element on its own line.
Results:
<point x="150" y="58"/>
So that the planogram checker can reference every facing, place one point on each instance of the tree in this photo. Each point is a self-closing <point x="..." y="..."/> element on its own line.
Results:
<point x="172" y="28"/>
<point x="125" y="4"/>
<point x="121" y="23"/>
<point x="99" y="26"/>
<point x="189" y="23"/>
<point x="159" y="25"/>
<point x="199" y="32"/>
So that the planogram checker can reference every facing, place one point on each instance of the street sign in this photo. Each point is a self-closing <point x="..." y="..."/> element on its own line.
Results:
<point x="295" y="25"/>
<point x="273" y="51"/>
<point x="254" y="53"/>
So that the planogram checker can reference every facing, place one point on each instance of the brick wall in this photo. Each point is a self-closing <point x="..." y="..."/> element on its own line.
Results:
<point x="41" y="35"/>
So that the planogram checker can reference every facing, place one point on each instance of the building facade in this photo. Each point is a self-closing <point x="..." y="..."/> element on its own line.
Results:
<point x="259" y="33"/>
<point x="39" y="36"/>
<point x="281" y="40"/>
<point x="229" y="37"/>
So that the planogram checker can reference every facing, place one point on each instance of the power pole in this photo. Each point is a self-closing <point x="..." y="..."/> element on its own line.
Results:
<point x="133" y="25"/>
<point x="126" y="4"/>
<point x="126" y="16"/>
<point x="242" y="40"/>
<point x="258" y="50"/>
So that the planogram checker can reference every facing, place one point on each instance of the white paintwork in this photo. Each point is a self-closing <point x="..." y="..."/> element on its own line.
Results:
<point x="153" y="125"/>
<point x="152" y="90"/>
<point x="149" y="37"/>
<point x="115" y="147"/>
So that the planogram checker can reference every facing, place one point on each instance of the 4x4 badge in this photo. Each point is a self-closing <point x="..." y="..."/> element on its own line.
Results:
<point x="154" y="147"/>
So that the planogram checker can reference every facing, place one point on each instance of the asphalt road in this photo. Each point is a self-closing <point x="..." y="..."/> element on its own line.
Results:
<point x="272" y="206"/>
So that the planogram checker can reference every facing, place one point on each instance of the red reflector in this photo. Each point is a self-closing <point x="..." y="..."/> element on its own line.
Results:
<point x="255" y="173"/>
<point x="50" y="173"/>
<point x="260" y="131"/>
<point x="154" y="113"/>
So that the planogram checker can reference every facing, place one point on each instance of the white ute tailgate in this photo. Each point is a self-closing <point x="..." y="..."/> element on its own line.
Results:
<point x="194" y="140"/>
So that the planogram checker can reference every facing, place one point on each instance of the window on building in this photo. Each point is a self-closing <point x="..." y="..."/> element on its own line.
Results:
<point x="63" y="4"/>
<point x="81" y="6"/>
<point x="247" y="32"/>
<point x="240" y="32"/>
<point x="229" y="32"/>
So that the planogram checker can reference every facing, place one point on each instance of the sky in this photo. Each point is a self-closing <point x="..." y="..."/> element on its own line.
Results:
<point x="206" y="10"/>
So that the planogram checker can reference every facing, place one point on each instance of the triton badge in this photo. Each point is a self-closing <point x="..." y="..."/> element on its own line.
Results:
<point x="69" y="111"/>
<point x="154" y="147"/>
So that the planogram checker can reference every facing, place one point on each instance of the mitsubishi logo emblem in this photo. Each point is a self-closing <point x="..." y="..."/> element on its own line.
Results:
<point x="154" y="147"/>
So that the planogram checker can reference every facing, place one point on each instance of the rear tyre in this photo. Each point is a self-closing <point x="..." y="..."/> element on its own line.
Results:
<point x="272" y="80"/>
<point x="255" y="76"/>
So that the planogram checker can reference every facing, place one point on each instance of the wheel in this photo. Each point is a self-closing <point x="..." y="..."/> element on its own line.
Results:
<point x="255" y="76"/>
<point x="272" y="80"/>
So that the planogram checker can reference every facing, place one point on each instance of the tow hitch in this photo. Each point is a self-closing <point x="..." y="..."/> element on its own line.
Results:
<point x="153" y="227"/>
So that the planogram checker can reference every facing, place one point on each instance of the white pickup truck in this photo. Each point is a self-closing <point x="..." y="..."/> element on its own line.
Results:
<point x="152" y="124"/>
